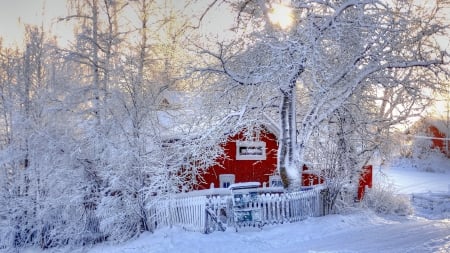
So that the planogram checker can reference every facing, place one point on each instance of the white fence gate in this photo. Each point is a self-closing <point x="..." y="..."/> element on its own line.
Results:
<point x="191" y="212"/>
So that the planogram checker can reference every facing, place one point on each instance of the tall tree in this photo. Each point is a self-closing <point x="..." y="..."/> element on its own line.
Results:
<point x="95" y="49"/>
<point x="34" y="149"/>
<point x="333" y="50"/>
<point x="142" y="169"/>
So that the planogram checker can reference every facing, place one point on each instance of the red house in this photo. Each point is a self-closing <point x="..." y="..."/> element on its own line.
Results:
<point x="247" y="159"/>
<point x="438" y="131"/>
<point x="439" y="139"/>
<point x="251" y="158"/>
<point x="309" y="178"/>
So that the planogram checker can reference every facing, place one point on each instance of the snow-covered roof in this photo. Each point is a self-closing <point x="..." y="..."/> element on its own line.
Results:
<point x="442" y="125"/>
<point x="182" y="113"/>
<point x="421" y="126"/>
<point x="245" y="185"/>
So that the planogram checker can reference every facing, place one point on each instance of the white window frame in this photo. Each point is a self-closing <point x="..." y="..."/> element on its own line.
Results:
<point x="226" y="179"/>
<point x="242" y="146"/>
<point x="275" y="181"/>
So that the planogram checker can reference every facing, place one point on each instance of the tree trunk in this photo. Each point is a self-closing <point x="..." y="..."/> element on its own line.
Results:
<point x="284" y="158"/>
<point x="286" y="163"/>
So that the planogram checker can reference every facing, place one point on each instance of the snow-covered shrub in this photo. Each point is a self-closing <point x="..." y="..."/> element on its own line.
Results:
<point x="430" y="160"/>
<point x="426" y="156"/>
<point x="119" y="219"/>
<point x="432" y="205"/>
<point x="344" y="199"/>
<point x="122" y="208"/>
<point x="384" y="199"/>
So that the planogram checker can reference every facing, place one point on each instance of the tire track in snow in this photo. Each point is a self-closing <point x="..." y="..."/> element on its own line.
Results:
<point x="413" y="236"/>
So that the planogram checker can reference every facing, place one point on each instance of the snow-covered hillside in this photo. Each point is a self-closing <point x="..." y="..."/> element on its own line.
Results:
<point x="360" y="230"/>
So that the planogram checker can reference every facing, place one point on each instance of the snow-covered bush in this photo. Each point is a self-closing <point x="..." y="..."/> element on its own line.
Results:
<point x="432" y="205"/>
<point x="119" y="217"/>
<point x="421" y="147"/>
<point x="429" y="159"/>
<point x="384" y="199"/>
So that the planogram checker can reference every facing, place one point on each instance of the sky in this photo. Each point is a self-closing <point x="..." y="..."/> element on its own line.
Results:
<point x="15" y="13"/>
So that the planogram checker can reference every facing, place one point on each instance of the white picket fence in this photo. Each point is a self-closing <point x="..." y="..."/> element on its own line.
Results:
<point x="190" y="212"/>
<point x="187" y="212"/>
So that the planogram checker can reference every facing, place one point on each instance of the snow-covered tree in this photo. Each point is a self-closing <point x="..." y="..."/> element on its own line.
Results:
<point x="96" y="52"/>
<point x="154" y="150"/>
<point x="35" y="155"/>
<point x="333" y="51"/>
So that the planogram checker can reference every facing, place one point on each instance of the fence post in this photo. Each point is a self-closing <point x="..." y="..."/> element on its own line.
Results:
<point x="324" y="202"/>
<point x="206" y="221"/>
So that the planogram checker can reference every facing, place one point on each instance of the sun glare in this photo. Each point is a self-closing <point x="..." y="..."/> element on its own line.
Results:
<point x="281" y="15"/>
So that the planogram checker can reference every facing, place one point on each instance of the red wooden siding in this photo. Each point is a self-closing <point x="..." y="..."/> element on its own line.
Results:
<point x="438" y="143"/>
<point x="310" y="178"/>
<point x="365" y="180"/>
<point x="244" y="170"/>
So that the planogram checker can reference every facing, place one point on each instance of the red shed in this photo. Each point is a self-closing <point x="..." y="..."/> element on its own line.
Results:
<point x="246" y="159"/>
<point x="439" y="139"/>
<point x="435" y="130"/>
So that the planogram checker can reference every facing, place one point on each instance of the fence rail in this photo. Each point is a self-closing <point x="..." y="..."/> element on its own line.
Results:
<point x="207" y="213"/>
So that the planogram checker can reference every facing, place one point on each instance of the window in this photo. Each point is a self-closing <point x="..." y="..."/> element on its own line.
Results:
<point x="275" y="181"/>
<point x="250" y="150"/>
<point x="226" y="180"/>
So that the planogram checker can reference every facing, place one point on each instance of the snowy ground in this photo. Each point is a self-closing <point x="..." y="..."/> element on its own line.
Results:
<point x="360" y="231"/>
<point x="414" y="177"/>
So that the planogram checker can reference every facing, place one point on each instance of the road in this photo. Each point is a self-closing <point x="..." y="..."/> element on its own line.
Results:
<point x="419" y="236"/>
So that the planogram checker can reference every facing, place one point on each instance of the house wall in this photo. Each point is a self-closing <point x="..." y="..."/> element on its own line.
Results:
<point x="310" y="178"/>
<point x="365" y="181"/>
<point x="438" y="143"/>
<point x="244" y="170"/>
